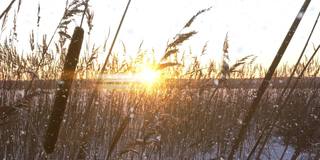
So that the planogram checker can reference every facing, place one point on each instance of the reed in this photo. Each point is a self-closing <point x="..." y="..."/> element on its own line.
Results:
<point x="195" y="113"/>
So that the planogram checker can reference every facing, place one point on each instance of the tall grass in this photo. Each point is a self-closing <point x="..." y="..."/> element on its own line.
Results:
<point x="195" y="113"/>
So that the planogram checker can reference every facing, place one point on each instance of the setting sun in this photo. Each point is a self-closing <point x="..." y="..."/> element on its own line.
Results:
<point x="188" y="79"/>
<point x="149" y="76"/>
<point x="146" y="76"/>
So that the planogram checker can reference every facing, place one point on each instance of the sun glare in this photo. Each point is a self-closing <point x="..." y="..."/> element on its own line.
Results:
<point x="149" y="76"/>
<point x="145" y="76"/>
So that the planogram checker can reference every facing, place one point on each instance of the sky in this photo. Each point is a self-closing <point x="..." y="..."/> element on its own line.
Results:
<point x="254" y="26"/>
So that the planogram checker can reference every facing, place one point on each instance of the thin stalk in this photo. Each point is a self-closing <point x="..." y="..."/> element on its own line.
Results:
<point x="7" y="9"/>
<point x="284" y="152"/>
<point x="95" y="91"/>
<point x="299" y="59"/>
<point x="115" y="37"/>
<point x="108" y="56"/>
<point x="257" y="143"/>
<point x="117" y="136"/>
<point x="300" y="76"/>
<point x="282" y="106"/>
<point x="84" y="13"/>
<point x="295" y="68"/>
<point x="266" y="80"/>
<point x="264" y="143"/>
<point x="100" y="76"/>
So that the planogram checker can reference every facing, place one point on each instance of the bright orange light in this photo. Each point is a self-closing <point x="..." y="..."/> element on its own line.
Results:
<point x="149" y="76"/>
<point x="145" y="77"/>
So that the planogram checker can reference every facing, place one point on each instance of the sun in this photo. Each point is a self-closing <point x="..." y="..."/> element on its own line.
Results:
<point x="149" y="76"/>
<point x="146" y="76"/>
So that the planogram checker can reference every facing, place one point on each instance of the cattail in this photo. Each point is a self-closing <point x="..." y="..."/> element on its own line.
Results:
<point x="62" y="92"/>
